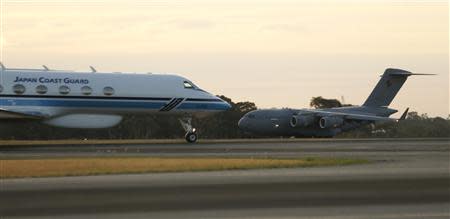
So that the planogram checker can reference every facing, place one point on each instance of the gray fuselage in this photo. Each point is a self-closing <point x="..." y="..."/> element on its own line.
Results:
<point x="277" y="122"/>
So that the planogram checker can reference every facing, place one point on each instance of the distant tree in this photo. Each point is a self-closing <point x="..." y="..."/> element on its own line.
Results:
<point x="321" y="103"/>
<point x="224" y="124"/>
<point x="413" y="116"/>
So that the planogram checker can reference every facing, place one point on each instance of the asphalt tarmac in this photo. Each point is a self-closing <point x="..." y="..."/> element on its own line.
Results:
<point x="406" y="179"/>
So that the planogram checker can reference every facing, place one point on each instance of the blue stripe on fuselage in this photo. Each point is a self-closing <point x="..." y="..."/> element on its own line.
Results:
<point x="204" y="106"/>
<point x="102" y="103"/>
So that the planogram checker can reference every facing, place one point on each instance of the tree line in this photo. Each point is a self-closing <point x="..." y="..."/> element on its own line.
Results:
<point x="219" y="126"/>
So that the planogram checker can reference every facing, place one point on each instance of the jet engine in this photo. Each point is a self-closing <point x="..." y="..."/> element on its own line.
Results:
<point x="330" y="122"/>
<point x="301" y="121"/>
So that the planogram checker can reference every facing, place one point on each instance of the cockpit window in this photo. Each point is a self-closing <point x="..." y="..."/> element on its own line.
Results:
<point x="188" y="85"/>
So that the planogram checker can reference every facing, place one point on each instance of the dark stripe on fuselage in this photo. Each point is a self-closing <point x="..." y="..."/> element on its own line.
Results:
<point x="208" y="100"/>
<point x="106" y="98"/>
<point x="168" y="104"/>
<point x="177" y="102"/>
<point x="87" y="97"/>
<point x="172" y="104"/>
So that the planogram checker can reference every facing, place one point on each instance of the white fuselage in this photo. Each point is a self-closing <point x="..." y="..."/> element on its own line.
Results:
<point x="61" y="94"/>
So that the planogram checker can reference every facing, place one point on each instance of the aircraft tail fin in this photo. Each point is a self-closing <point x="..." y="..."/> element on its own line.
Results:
<point x="388" y="86"/>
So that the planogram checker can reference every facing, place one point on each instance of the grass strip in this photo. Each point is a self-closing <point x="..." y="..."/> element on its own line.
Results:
<point x="51" y="167"/>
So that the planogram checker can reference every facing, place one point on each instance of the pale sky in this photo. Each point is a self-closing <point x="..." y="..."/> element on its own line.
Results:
<point x="276" y="53"/>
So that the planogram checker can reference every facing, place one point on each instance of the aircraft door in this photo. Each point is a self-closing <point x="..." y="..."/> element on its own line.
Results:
<point x="275" y="123"/>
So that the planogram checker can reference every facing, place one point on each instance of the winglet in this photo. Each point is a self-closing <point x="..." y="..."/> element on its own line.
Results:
<point x="403" y="117"/>
<point x="45" y="67"/>
<point x="2" y="66"/>
<point x="92" y="69"/>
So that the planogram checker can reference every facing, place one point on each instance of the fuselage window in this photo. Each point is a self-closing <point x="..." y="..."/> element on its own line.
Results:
<point x="86" y="90"/>
<point x="19" y="89"/>
<point x="64" y="90"/>
<point x="108" y="91"/>
<point x="1" y="88"/>
<point x="41" y="89"/>
<point x="188" y="85"/>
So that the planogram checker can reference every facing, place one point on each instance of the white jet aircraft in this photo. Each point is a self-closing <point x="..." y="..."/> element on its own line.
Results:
<point x="98" y="100"/>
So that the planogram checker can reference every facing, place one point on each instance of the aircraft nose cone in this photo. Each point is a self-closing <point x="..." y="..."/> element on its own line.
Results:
<point x="243" y="124"/>
<point x="227" y="105"/>
<point x="224" y="105"/>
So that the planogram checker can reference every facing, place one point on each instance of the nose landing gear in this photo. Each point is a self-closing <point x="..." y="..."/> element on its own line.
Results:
<point x="191" y="137"/>
<point x="191" y="134"/>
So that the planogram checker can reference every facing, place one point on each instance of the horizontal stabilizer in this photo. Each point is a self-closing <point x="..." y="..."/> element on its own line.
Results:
<point x="407" y="74"/>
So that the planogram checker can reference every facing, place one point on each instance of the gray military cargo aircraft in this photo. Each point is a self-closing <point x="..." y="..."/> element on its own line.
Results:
<point x="331" y="121"/>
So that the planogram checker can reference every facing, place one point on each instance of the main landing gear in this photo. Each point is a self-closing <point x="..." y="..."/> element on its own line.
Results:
<point x="191" y="134"/>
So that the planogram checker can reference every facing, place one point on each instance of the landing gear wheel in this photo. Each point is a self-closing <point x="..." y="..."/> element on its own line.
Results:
<point x="191" y="137"/>
<point x="191" y="134"/>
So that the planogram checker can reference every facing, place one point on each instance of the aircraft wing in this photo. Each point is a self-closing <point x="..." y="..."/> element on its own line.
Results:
<point x="8" y="114"/>
<point x="352" y="116"/>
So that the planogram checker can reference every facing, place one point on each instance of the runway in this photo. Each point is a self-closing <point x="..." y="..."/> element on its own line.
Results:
<point x="376" y="148"/>
<point x="406" y="179"/>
